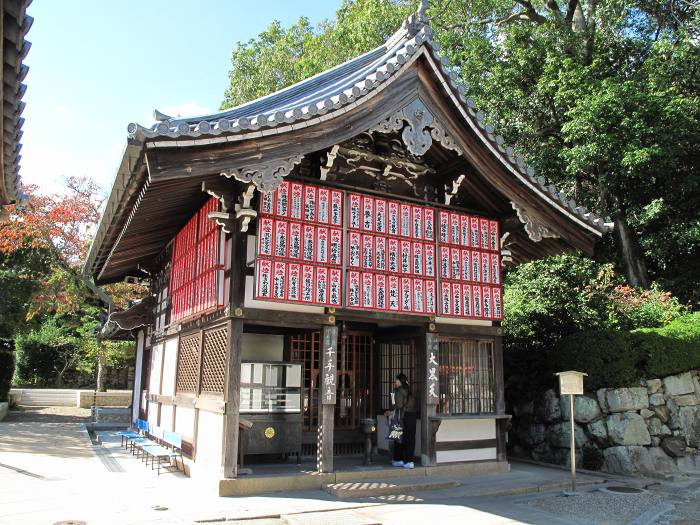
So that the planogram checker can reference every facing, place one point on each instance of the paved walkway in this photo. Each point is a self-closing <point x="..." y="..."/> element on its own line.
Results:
<point x="51" y="472"/>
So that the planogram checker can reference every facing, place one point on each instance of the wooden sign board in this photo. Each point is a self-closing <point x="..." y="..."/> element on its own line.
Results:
<point x="571" y="382"/>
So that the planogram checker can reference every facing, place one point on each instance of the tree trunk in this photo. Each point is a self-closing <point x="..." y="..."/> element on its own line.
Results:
<point x="631" y="253"/>
<point x="101" y="371"/>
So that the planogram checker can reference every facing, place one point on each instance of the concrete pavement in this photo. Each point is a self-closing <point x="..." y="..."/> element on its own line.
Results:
<point x="51" y="472"/>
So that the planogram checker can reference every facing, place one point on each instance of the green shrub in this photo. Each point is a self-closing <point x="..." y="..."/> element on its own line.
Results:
<point x="614" y="358"/>
<point x="607" y="356"/>
<point x="7" y="367"/>
<point x="551" y="298"/>
<point x="673" y="349"/>
<point x="632" y="308"/>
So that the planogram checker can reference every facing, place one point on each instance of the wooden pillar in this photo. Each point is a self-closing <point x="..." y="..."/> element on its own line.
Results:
<point x="428" y="352"/>
<point x="327" y="384"/>
<point x="235" y="352"/>
<point x="233" y="397"/>
<point x="499" y="396"/>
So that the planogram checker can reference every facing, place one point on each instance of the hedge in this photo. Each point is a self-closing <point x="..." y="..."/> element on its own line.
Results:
<point x="607" y="356"/>
<point x="613" y="358"/>
<point x="673" y="349"/>
<point x="7" y="367"/>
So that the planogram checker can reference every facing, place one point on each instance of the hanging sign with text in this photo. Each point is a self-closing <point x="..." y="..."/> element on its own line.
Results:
<point x="327" y="247"/>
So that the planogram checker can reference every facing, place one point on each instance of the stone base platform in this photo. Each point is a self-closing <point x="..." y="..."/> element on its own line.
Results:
<point x="284" y="480"/>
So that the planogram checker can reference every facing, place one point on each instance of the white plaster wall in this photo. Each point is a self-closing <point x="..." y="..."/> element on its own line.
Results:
<point x="210" y="431"/>
<point x="167" y="413"/>
<point x="184" y="422"/>
<point x="136" y="394"/>
<point x="156" y="361"/>
<point x="169" y="367"/>
<point x="466" y="430"/>
<point x="477" y="454"/>
<point x="153" y="415"/>
<point x="263" y="347"/>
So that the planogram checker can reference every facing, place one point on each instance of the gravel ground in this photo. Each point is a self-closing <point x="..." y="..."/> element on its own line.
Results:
<point x="686" y="510"/>
<point x="25" y="414"/>
<point x="599" y="507"/>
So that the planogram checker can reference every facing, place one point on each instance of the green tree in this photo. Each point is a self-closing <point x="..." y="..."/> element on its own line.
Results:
<point x="279" y="57"/>
<point x="602" y="95"/>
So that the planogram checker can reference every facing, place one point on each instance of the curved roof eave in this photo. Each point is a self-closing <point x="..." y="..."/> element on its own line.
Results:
<point x="349" y="84"/>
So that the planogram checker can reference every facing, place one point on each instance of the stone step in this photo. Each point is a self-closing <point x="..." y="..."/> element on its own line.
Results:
<point x="364" y="489"/>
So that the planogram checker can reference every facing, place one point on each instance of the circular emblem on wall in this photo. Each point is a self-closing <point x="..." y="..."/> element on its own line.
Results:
<point x="269" y="432"/>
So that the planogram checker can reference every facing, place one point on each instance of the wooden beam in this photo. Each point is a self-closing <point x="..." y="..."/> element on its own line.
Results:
<point x="467" y="330"/>
<point x="283" y="318"/>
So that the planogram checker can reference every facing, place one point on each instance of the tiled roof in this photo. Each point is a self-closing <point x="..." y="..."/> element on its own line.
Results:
<point x="16" y="23"/>
<point x="347" y="84"/>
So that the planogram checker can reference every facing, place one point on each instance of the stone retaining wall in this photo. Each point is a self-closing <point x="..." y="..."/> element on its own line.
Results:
<point x="86" y="398"/>
<point x="651" y="428"/>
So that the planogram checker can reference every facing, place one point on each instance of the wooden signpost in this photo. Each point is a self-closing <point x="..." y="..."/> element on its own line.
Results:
<point x="571" y="384"/>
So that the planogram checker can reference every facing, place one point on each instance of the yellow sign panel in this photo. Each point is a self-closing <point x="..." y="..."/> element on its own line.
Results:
<point x="269" y="432"/>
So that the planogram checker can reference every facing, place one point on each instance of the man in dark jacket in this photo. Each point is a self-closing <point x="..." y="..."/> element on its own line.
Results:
<point x="405" y="406"/>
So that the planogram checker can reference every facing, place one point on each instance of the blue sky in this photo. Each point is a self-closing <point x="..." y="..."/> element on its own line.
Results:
<point x="96" y="65"/>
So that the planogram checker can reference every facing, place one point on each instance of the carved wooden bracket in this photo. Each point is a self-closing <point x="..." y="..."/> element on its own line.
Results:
<point x="535" y="228"/>
<point x="420" y="129"/>
<point x="266" y="175"/>
<point x="225" y="192"/>
<point x="244" y="213"/>
<point x="226" y="220"/>
<point x="140" y="314"/>
<point x="451" y="190"/>
<point x="231" y="211"/>
<point x="330" y="159"/>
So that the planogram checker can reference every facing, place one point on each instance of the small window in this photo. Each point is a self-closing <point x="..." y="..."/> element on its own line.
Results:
<point x="466" y="376"/>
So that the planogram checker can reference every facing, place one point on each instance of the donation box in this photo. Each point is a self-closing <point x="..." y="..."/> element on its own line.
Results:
<point x="271" y="401"/>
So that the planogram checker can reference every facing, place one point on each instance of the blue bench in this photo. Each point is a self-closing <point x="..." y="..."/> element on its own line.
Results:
<point x="140" y="431"/>
<point x="171" y="448"/>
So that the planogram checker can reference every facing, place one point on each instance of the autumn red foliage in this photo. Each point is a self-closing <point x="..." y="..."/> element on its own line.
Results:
<point x="60" y="223"/>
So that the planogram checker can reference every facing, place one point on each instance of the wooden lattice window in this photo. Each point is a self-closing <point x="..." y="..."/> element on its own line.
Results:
<point x="197" y="264"/>
<point x="355" y="392"/>
<point x="466" y="376"/>
<point x="304" y="348"/>
<point x="396" y="357"/>
<point x="214" y="361"/>
<point x="188" y="364"/>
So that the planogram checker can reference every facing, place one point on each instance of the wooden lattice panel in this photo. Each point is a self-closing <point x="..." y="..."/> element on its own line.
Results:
<point x="214" y="361"/>
<point x="188" y="364"/>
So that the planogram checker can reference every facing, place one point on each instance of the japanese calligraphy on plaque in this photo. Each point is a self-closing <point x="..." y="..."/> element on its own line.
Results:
<point x="432" y="368"/>
<point x="329" y="375"/>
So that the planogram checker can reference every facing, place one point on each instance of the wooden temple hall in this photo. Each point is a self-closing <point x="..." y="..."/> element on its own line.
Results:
<point x="306" y="247"/>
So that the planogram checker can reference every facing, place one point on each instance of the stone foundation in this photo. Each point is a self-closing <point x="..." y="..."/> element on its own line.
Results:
<point x="654" y="427"/>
